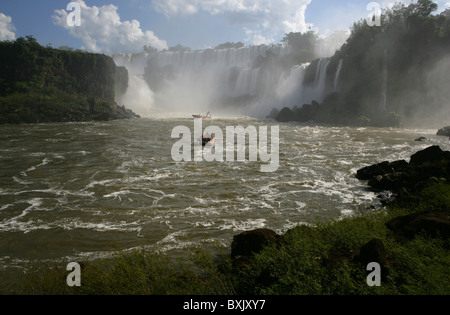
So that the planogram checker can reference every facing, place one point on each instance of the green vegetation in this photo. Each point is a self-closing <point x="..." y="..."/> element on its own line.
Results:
<point x="396" y="70"/>
<point x="42" y="84"/>
<point x="413" y="45"/>
<point x="304" y="46"/>
<point x="229" y="45"/>
<point x="321" y="260"/>
<point x="318" y="260"/>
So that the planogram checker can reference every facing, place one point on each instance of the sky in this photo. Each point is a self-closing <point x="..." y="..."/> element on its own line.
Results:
<point x="108" y="26"/>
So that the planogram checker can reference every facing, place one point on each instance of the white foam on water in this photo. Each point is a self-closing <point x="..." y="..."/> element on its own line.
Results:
<point x="301" y="205"/>
<point x="140" y="187"/>
<point x="242" y="225"/>
<point x="104" y="226"/>
<point x="22" y="182"/>
<point x="18" y="223"/>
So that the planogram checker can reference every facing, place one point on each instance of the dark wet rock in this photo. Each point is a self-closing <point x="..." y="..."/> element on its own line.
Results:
<point x="444" y="132"/>
<point x="392" y="181"/>
<point x="421" y="139"/>
<point x="397" y="176"/>
<point x="370" y="172"/>
<point x="429" y="156"/>
<point x="285" y="115"/>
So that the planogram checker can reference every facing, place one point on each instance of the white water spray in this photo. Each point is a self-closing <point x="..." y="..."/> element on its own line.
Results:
<point x="139" y="98"/>
<point x="248" y="80"/>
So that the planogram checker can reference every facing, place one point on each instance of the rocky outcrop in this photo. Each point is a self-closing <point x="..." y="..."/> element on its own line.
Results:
<point x="444" y="132"/>
<point x="401" y="175"/>
<point x="382" y="168"/>
<point x="434" y="224"/>
<point x="412" y="177"/>
<point x="246" y="244"/>
<point x="285" y="115"/>
<point x="334" y="110"/>
<point x="253" y="242"/>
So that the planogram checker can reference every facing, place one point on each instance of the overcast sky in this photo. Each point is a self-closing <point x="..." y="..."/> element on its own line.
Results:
<point x="109" y="26"/>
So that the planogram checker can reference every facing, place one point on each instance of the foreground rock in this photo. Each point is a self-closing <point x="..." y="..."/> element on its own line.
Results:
<point x="374" y="251"/>
<point x="434" y="224"/>
<point x="401" y="175"/>
<point x="382" y="168"/>
<point x="253" y="242"/>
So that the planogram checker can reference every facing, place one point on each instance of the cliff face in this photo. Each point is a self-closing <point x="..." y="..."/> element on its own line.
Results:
<point x="122" y="80"/>
<point x="39" y="84"/>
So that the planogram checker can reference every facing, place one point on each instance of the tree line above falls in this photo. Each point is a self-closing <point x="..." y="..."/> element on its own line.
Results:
<point x="41" y="84"/>
<point x="396" y="72"/>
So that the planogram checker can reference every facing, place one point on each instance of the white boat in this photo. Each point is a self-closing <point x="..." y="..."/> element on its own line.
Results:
<point x="208" y="116"/>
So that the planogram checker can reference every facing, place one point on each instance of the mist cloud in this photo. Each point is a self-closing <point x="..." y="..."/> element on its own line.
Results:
<point x="103" y="31"/>
<point x="6" y="28"/>
<point x="264" y="20"/>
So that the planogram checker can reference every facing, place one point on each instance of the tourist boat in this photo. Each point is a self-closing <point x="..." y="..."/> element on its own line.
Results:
<point x="208" y="116"/>
<point x="204" y="143"/>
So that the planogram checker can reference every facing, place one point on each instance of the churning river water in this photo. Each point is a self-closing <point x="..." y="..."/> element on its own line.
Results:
<point x="79" y="191"/>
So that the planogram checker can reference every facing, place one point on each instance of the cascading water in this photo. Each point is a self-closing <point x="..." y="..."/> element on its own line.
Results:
<point x="338" y="73"/>
<point x="249" y="80"/>
<point x="321" y="77"/>
<point x="384" y="84"/>
<point x="139" y="97"/>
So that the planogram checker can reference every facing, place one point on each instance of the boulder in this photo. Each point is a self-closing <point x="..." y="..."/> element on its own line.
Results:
<point x="421" y="139"/>
<point x="444" y="132"/>
<point x="434" y="224"/>
<point x="369" y="172"/>
<point x="392" y="181"/>
<point x="285" y="115"/>
<point x="397" y="176"/>
<point x="381" y="169"/>
<point x="399" y="166"/>
<point x="252" y="242"/>
<point x="374" y="251"/>
<point x="427" y="156"/>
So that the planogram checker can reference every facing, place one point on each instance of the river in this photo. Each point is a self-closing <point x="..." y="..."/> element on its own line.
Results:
<point x="80" y="191"/>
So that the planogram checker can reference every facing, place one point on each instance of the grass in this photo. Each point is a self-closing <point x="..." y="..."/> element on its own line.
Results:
<point x="303" y="265"/>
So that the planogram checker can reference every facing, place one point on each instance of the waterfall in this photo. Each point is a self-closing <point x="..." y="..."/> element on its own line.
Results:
<point x="139" y="97"/>
<point x="338" y="73"/>
<point x="321" y="85"/>
<point x="249" y="80"/>
<point x="384" y="84"/>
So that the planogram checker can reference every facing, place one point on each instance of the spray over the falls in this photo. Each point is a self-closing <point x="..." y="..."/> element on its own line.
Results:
<point x="245" y="81"/>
